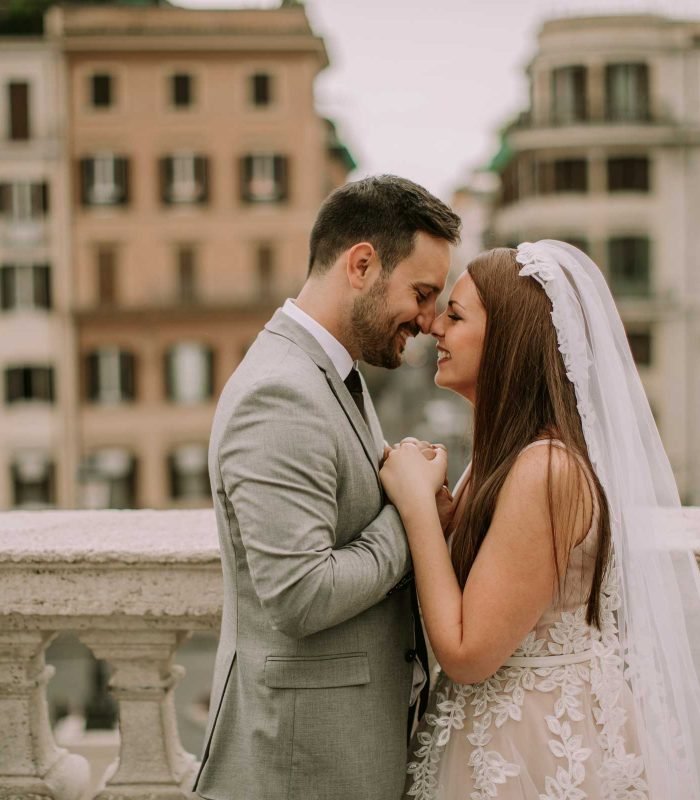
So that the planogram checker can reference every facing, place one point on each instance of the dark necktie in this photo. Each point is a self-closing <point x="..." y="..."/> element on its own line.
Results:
<point x="353" y="384"/>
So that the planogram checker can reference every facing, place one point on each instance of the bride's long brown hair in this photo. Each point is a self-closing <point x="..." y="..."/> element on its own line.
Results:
<point x="523" y="394"/>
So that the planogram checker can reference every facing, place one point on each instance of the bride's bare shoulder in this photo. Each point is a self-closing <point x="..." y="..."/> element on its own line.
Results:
<point x="556" y="479"/>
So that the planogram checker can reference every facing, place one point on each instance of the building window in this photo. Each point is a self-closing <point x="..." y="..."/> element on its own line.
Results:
<point x="510" y="182"/>
<point x="110" y="376"/>
<point x="29" y="383"/>
<point x="104" y="180"/>
<point x="189" y="372"/>
<point x="571" y="175"/>
<point x="627" y="92"/>
<point x="265" y="258"/>
<point x="569" y="95"/>
<point x="101" y="93"/>
<point x="184" y="179"/>
<point x="260" y="89"/>
<point x="628" y="174"/>
<point x="189" y="474"/>
<point x="25" y="286"/>
<point x="640" y="342"/>
<point x="181" y="90"/>
<point x="106" y="264"/>
<point x="32" y="480"/>
<point x="629" y="267"/>
<point x="264" y="178"/>
<point x="24" y="201"/>
<point x="112" y="479"/>
<point x="187" y="273"/>
<point x="18" y="106"/>
<point x="563" y="175"/>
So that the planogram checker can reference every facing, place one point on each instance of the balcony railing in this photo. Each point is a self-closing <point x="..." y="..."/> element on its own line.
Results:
<point x="132" y="585"/>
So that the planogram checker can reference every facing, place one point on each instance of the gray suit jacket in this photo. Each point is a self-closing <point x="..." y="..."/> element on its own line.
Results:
<point x="311" y="684"/>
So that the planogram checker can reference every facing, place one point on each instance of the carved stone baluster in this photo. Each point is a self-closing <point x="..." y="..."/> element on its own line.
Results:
<point x="32" y="767"/>
<point x="152" y="762"/>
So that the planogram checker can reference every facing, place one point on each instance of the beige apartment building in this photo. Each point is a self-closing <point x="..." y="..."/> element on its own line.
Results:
<point x="198" y="162"/>
<point x="608" y="158"/>
<point x="37" y="454"/>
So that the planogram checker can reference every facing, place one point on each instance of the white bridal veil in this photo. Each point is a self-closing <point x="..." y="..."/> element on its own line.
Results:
<point x="658" y="613"/>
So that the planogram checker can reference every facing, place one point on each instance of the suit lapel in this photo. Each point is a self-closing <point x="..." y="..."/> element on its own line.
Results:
<point x="283" y="325"/>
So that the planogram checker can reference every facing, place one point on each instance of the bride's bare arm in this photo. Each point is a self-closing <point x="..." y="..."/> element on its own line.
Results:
<point x="512" y="581"/>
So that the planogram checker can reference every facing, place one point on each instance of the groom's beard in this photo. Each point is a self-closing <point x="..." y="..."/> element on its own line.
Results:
<point x="380" y="342"/>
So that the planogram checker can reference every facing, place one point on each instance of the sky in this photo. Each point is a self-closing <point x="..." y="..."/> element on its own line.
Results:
<point x="421" y="88"/>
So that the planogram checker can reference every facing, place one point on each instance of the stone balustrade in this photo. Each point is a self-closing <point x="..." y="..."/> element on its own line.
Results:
<point x="132" y="585"/>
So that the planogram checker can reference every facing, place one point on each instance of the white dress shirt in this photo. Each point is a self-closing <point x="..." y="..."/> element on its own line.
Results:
<point x="339" y="356"/>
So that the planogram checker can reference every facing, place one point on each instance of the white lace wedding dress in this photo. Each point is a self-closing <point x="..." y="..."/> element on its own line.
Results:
<point x="553" y="723"/>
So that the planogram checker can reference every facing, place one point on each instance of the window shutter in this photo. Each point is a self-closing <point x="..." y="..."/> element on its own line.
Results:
<point x="44" y="197"/>
<point x="166" y="179"/>
<point x="49" y="389"/>
<point x="282" y="177"/>
<point x="14" y="384"/>
<point x="127" y="375"/>
<point x="121" y="170"/>
<point x="41" y="275"/>
<point x="246" y="176"/>
<point x="87" y="179"/>
<point x="18" y="96"/>
<point x="210" y="372"/>
<point x="168" y="367"/>
<point x="173" y="477"/>
<point x="92" y="377"/>
<point x="201" y="176"/>
<point x="7" y="286"/>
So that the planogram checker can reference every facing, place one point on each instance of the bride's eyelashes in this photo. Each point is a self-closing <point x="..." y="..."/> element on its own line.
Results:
<point x="454" y="317"/>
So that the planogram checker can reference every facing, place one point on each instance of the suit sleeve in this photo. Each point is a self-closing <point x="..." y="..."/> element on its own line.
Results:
<point x="279" y="471"/>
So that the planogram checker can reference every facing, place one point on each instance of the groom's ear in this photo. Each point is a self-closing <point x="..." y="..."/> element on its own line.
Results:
<point x="361" y="264"/>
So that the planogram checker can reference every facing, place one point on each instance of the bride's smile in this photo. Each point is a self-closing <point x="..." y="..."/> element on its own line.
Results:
<point x="460" y="332"/>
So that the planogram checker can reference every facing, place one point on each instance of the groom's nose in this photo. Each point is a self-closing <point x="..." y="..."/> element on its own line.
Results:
<point x="426" y="318"/>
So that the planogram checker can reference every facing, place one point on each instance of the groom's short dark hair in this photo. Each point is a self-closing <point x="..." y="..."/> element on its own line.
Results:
<point x="384" y="210"/>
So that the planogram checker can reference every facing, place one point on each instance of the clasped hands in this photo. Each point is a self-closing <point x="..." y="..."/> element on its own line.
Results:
<point x="415" y="471"/>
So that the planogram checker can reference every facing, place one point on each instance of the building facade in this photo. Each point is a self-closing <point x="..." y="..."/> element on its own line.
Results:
<point x="607" y="157"/>
<point x="37" y="452"/>
<point x="160" y="170"/>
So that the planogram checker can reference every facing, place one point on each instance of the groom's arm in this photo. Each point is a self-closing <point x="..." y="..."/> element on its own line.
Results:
<point x="278" y="465"/>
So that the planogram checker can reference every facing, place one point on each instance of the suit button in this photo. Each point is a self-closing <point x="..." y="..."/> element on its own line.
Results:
<point x="410" y="655"/>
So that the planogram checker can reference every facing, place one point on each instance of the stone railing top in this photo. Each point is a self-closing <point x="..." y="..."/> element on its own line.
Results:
<point x="186" y="537"/>
<point x="109" y="537"/>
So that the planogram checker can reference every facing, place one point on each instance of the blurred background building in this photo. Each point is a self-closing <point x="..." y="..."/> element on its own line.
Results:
<point x="36" y="434"/>
<point x="607" y="157"/>
<point x="185" y="161"/>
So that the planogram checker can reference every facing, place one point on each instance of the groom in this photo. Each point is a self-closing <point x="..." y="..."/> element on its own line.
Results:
<point x="315" y="665"/>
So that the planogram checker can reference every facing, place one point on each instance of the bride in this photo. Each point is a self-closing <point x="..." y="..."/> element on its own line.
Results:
<point x="550" y="602"/>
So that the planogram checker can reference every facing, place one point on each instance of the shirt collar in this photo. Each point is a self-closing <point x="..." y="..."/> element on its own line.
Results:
<point x="336" y="352"/>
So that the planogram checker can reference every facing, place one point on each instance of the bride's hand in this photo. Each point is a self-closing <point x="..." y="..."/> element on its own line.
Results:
<point x="445" y="506"/>
<point x="407" y="475"/>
